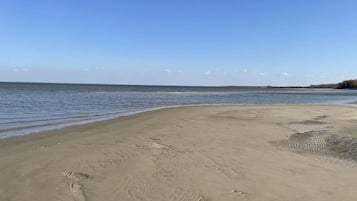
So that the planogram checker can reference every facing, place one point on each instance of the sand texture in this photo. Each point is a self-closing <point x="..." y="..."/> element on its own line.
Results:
<point x="196" y="153"/>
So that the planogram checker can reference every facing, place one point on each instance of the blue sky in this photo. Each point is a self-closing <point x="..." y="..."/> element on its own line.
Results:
<point x="181" y="42"/>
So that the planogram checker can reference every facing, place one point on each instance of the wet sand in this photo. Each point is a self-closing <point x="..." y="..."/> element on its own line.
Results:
<point x="199" y="153"/>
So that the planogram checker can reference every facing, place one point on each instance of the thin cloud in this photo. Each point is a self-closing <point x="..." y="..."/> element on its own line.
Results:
<point x="85" y="69"/>
<point x="208" y="72"/>
<point x="20" y="69"/>
<point x="168" y="70"/>
<point x="262" y="74"/>
<point x="284" y="74"/>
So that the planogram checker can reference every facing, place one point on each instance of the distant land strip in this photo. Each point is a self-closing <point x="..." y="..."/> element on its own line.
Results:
<point x="346" y="84"/>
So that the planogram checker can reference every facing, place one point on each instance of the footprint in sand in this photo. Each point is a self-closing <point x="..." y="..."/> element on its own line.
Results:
<point x="77" y="191"/>
<point x="137" y="187"/>
<point x="239" y="193"/>
<point x="186" y="195"/>
<point x="77" y="176"/>
<point x="320" y="117"/>
<point x="154" y="142"/>
<point x="159" y="146"/>
<point x="75" y="187"/>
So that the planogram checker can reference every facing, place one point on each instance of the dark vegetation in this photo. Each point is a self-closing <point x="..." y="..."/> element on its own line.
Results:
<point x="347" y="84"/>
<point x="332" y="86"/>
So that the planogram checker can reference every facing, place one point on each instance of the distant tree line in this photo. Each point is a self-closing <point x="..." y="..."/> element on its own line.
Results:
<point x="331" y="86"/>
<point x="347" y="84"/>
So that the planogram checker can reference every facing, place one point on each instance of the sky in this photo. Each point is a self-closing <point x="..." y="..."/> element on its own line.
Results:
<point x="179" y="42"/>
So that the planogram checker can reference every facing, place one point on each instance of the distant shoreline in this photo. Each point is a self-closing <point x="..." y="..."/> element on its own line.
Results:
<point x="152" y="85"/>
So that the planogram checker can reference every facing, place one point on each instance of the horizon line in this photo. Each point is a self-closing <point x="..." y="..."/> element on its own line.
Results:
<point x="151" y="85"/>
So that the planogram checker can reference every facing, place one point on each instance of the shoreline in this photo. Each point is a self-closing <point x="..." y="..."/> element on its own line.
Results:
<point x="129" y="114"/>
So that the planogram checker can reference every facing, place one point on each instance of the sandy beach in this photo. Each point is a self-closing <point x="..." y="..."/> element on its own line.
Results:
<point x="198" y="153"/>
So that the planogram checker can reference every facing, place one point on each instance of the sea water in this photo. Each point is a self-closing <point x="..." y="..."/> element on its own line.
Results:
<point x="27" y="108"/>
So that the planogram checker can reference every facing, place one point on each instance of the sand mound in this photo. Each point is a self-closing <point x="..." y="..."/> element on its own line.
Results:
<point x="318" y="142"/>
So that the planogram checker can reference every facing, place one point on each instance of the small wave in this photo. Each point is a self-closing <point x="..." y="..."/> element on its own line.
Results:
<point x="55" y="119"/>
<point x="31" y="129"/>
<point x="21" y="131"/>
<point x="184" y="92"/>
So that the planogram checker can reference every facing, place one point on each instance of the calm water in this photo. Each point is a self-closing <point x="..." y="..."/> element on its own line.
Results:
<point x="27" y="108"/>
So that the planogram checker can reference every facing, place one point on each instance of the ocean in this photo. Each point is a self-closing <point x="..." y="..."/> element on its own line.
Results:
<point x="27" y="108"/>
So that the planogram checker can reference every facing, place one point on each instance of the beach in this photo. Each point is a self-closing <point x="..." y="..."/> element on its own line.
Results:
<point x="198" y="153"/>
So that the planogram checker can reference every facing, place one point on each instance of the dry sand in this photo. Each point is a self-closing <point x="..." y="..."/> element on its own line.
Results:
<point x="201" y="153"/>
